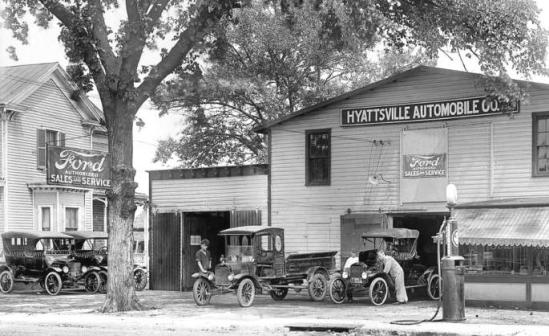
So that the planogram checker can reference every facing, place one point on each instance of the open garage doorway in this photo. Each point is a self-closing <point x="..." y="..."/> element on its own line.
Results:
<point x="198" y="226"/>
<point x="428" y="226"/>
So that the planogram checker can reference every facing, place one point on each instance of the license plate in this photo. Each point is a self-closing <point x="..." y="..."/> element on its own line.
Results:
<point x="356" y="280"/>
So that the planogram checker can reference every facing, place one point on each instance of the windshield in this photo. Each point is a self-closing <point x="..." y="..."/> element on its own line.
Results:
<point x="239" y="250"/>
<point x="54" y="245"/>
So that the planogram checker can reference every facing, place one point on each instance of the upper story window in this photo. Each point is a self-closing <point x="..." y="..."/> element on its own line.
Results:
<point x="318" y="157"/>
<point x="46" y="137"/>
<point x="540" y="142"/>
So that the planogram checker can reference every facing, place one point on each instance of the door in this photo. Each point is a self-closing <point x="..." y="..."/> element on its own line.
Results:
<point x="352" y="228"/>
<point x="165" y="252"/>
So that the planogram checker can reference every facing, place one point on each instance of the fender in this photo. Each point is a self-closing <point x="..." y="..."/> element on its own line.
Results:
<point x="5" y="268"/>
<point x="239" y="277"/>
<point x="205" y="276"/>
<point x="94" y="268"/>
<point x="428" y="272"/>
<point x="56" y="269"/>
<point x="317" y="269"/>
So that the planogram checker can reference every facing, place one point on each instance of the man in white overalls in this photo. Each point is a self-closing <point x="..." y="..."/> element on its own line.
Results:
<point x="391" y="267"/>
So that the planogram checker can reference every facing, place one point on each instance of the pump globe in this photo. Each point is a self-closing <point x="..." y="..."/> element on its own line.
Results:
<point x="451" y="194"/>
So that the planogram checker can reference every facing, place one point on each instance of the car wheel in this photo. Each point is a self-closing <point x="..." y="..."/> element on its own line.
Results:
<point x="318" y="287"/>
<point x="140" y="279"/>
<point x="92" y="282"/>
<point x="378" y="291"/>
<point x="53" y="283"/>
<point x="337" y="290"/>
<point x="245" y="293"/>
<point x="6" y="281"/>
<point x="433" y="287"/>
<point x="278" y="294"/>
<point x="201" y="292"/>
<point x="104" y="278"/>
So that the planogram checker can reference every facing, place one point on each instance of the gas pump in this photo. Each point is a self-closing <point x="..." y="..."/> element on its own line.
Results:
<point x="450" y="266"/>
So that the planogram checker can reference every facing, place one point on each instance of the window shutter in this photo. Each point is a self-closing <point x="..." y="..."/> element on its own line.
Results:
<point x="61" y="139"/>
<point x="41" y="148"/>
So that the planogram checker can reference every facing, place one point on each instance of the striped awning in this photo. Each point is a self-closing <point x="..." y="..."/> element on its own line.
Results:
<point x="506" y="226"/>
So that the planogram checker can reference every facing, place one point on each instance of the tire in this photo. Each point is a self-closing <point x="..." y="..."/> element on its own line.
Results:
<point x="6" y="281"/>
<point x="53" y="283"/>
<point x="104" y="280"/>
<point x="140" y="279"/>
<point x="379" y="291"/>
<point x="201" y="292"/>
<point x="337" y="290"/>
<point x="318" y="286"/>
<point x="278" y="294"/>
<point x="92" y="282"/>
<point x="433" y="287"/>
<point x="245" y="292"/>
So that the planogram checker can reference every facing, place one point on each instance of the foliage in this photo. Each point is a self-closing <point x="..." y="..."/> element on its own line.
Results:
<point x="265" y="64"/>
<point x="274" y="58"/>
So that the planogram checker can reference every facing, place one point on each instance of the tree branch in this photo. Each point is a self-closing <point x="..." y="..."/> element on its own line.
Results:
<point x="61" y="12"/>
<point x="198" y="27"/>
<point x="104" y="49"/>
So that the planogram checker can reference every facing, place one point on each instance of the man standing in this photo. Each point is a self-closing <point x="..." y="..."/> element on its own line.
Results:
<point x="203" y="257"/>
<point x="391" y="267"/>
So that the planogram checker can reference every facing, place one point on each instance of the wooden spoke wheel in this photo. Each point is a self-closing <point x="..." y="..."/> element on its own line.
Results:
<point x="6" y="281"/>
<point x="337" y="290"/>
<point x="318" y="286"/>
<point x="201" y="292"/>
<point x="433" y="287"/>
<point x="245" y="293"/>
<point x="53" y="283"/>
<point x="92" y="282"/>
<point x="379" y="291"/>
<point x="104" y="278"/>
<point x="140" y="279"/>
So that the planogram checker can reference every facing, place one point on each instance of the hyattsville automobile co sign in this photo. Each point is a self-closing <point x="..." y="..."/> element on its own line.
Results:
<point x="78" y="167"/>
<point x="416" y="112"/>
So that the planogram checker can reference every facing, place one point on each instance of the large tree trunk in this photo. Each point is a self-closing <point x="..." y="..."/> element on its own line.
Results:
<point x="120" y="287"/>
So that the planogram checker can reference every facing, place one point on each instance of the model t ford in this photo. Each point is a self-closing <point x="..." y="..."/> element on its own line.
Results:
<point x="44" y="258"/>
<point x="364" y="275"/>
<point x="254" y="262"/>
<point x="90" y="250"/>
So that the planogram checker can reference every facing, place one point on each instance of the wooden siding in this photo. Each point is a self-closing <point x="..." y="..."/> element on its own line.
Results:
<point x="488" y="157"/>
<point x="211" y="194"/>
<point x="49" y="108"/>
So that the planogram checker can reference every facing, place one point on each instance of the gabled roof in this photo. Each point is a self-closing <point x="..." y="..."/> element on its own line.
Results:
<point x="20" y="81"/>
<point x="393" y="78"/>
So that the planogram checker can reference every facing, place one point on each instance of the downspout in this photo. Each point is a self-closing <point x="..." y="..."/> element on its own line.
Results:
<point x="269" y="179"/>
<point x="5" y="165"/>
<point x="492" y="161"/>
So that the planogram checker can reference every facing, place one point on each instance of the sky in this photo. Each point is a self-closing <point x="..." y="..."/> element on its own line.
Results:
<point x="44" y="47"/>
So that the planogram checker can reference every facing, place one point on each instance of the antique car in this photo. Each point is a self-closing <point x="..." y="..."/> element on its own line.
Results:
<point x="254" y="262"/>
<point x="90" y="249"/>
<point x="43" y="257"/>
<point x="365" y="275"/>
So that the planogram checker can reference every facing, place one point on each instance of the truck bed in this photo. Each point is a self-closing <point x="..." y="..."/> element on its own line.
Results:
<point x="301" y="262"/>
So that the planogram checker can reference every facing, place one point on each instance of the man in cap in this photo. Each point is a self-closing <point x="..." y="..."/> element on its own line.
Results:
<point x="203" y="257"/>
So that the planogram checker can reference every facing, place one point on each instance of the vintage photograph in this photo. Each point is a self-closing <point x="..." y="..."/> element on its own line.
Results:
<point x="274" y="167"/>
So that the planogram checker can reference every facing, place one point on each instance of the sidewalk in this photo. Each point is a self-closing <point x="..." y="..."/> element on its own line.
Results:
<point x="75" y="313"/>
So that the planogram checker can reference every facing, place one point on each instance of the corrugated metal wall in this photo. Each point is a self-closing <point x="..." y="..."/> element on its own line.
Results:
<point x="479" y="165"/>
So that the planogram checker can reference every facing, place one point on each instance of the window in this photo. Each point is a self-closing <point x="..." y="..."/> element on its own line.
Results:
<point x="540" y="151"/>
<point x="318" y="160"/>
<point x="495" y="260"/>
<point x="45" y="218"/>
<point x="266" y="243"/>
<point x="46" y="138"/>
<point x="71" y="219"/>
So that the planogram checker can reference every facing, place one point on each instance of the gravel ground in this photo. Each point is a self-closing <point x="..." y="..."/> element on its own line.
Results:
<point x="31" y="312"/>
